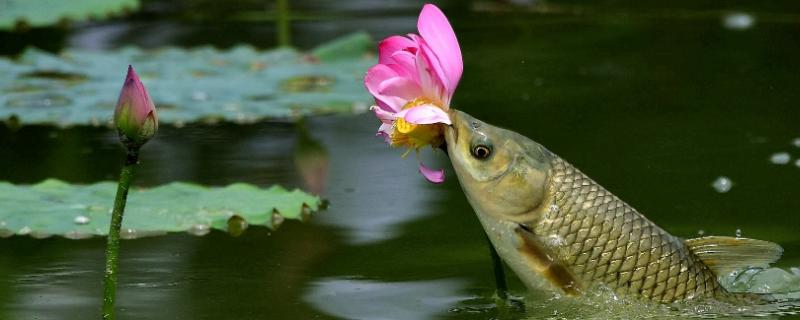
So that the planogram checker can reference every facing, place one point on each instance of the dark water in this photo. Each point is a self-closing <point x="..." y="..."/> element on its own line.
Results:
<point x="653" y="101"/>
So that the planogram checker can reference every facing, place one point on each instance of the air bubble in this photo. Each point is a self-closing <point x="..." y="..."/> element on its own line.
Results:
<point x="780" y="158"/>
<point x="738" y="21"/>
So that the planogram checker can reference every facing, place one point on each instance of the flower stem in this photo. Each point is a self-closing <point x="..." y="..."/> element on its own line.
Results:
<point x="112" y="246"/>
<point x="283" y="23"/>
<point x="499" y="273"/>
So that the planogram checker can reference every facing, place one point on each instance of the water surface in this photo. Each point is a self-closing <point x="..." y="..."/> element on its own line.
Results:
<point x="654" y="102"/>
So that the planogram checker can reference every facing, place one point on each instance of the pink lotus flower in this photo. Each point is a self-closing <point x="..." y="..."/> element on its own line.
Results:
<point x="135" y="115"/>
<point x="413" y="84"/>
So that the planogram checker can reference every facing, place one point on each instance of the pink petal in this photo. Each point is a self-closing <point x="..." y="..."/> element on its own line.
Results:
<point x="432" y="68"/>
<point x="382" y="78"/>
<point x="400" y="87"/>
<point x="429" y="82"/>
<point x="424" y="114"/>
<point x="383" y="115"/>
<point x="438" y="34"/>
<point x="398" y="91"/>
<point x="403" y="63"/>
<point x="392" y="45"/>
<point x="435" y="176"/>
<point x="374" y="77"/>
<point x="385" y="131"/>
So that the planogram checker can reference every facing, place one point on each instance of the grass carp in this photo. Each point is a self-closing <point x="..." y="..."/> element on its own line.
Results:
<point x="555" y="227"/>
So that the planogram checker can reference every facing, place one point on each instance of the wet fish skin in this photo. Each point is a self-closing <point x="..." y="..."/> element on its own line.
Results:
<point x="555" y="227"/>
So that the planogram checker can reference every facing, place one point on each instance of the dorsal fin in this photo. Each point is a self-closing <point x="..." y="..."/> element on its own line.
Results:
<point x="725" y="254"/>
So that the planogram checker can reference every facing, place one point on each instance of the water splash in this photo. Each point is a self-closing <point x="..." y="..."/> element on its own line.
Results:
<point x="778" y="282"/>
<point x="602" y="303"/>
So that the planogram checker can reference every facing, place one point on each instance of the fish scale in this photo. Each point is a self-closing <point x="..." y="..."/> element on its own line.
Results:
<point x="602" y="240"/>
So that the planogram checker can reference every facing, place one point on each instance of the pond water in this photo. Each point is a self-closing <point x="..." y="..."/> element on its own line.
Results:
<point x="654" y="102"/>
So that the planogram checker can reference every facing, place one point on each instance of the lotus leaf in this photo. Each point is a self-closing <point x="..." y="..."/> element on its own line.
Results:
<point x="241" y="84"/>
<point x="53" y="207"/>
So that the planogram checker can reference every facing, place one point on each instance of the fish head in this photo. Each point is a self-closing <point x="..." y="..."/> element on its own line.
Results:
<point x="503" y="174"/>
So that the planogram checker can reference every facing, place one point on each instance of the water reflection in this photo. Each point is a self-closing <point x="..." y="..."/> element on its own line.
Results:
<point x="311" y="160"/>
<point x="373" y="190"/>
<point x="413" y="300"/>
<point x="58" y="282"/>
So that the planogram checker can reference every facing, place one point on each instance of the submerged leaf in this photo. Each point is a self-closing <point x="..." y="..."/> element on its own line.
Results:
<point x="344" y="48"/>
<point x="241" y="84"/>
<point x="42" y="13"/>
<point x="53" y="207"/>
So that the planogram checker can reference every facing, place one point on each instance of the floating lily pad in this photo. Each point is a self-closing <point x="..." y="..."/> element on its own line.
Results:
<point x="53" y="207"/>
<point x="41" y="13"/>
<point x="243" y="84"/>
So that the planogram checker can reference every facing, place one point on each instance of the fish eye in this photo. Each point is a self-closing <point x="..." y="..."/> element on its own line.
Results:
<point x="481" y="151"/>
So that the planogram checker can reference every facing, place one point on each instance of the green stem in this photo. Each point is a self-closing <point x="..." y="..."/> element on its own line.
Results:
<point x="283" y="23"/>
<point x="499" y="273"/>
<point x="112" y="246"/>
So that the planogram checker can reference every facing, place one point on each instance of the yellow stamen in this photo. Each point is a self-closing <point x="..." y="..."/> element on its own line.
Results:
<point x="416" y="136"/>
<point x="417" y="102"/>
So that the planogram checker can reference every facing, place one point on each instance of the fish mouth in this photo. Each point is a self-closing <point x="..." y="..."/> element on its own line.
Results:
<point x="451" y="131"/>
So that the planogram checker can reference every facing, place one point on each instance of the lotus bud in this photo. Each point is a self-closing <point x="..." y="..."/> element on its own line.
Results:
<point x="135" y="115"/>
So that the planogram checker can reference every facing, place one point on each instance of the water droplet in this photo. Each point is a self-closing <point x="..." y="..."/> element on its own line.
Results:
<point x="82" y="220"/>
<point x="24" y="231"/>
<point x="39" y="235"/>
<point x="199" y="229"/>
<point x="75" y="235"/>
<point x="796" y="142"/>
<point x="128" y="233"/>
<point x="738" y="21"/>
<point x="277" y="219"/>
<point x="738" y="233"/>
<point x="797" y="163"/>
<point x="701" y="232"/>
<point x="722" y="184"/>
<point x="237" y="225"/>
<point x="305" y="213"/>
<point x="780" y="158"/>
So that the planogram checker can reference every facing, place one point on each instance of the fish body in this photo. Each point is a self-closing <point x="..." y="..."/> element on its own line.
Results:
<point x="557" y="228"/>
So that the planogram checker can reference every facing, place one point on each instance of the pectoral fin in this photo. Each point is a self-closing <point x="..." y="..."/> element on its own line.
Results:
<point x="725" y="254"/>
<point x="541" y="261"/>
